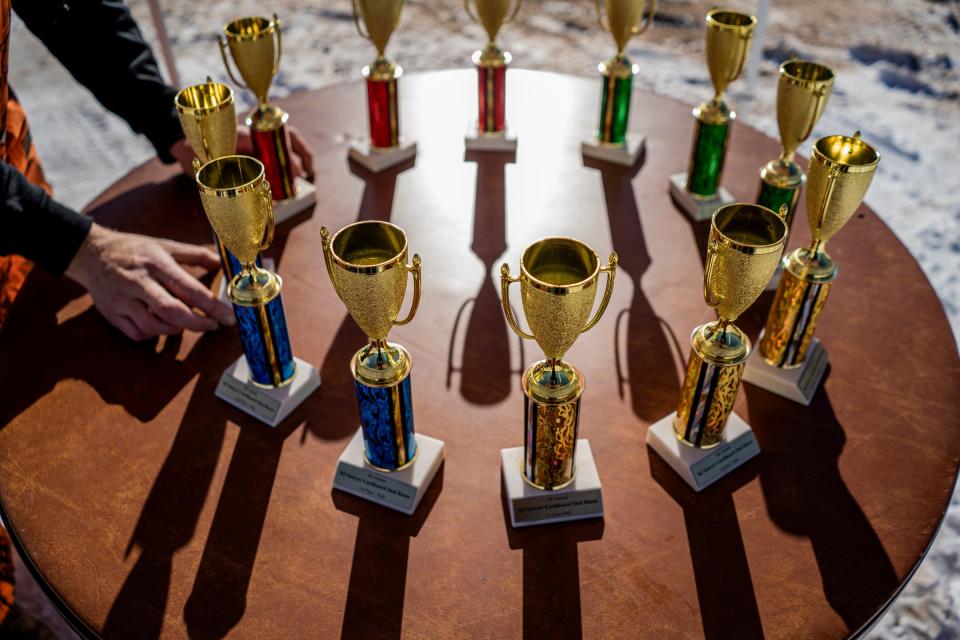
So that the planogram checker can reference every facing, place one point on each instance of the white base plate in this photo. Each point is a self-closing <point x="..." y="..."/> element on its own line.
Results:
<point x="476" y="141"/>
<point x="270" y="406"/>
<point x="697" y="209"/>
<point x="799" y="384"/>
<point x="306" y="192"/>
<point x="625" y="154"/>
<point x="702" y="467"/>
<point x="376" y="159"/>
<point x="399" y="490"/>
<point x="530" y="506"/>
<point x="268" y="264"/>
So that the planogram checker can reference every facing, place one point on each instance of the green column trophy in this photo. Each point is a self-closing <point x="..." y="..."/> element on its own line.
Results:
<point x="703" y="439"/>
<point x="553" y="476"/>
<point x="792" y="361"/>
<point x="698" y="191"/>
<point x="490" y="132"/>
<point x="254" y="44"/>
<point x="612" y="143"/>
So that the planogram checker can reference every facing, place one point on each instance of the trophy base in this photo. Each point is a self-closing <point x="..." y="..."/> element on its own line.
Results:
<point x="267" y="405"/>
<point x="624" y="154"/>
<point x="268" y="264"/>
<point x="376" y="159"/>
<point x="702" y="467"/>
<point x="474" y="140"/>
<point x="697" y="209"/>
<point x="530" y="506"/>
<point x="306" y="196"/>
<point x="399" y="490"/>
<point x="798" y="384"/>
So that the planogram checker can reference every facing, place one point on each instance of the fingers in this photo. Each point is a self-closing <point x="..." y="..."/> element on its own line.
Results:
<point x="174" y="312"/>
<point x="302" y="149"/>
<point x="126" y="325"/>
<point x="192" y="254"/>
<point x="148" y="324"/>
<point x="184" y="286"/>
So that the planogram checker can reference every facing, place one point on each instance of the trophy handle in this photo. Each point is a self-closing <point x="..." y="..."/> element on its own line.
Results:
<point x="196" y="166"/>
<point x="516" y="10"/>
<point x="782" y="212"/>
<point x="415" y="270"/>
<point x="831" y="184"/>
<point x="356" y="19"/>
<point x="276" y="63"/>
<point x="268" y="199"/>
<point x="712" y="302"/>
<point x="223" y="53"/>
<point x="603" y="25"/>
<point x="327" y="259"/>
<point x="203" y="138"/>
<point x="639" y="29"/>
<point x="611" y="271"/>
<point x="505" y="281"/>
<point x="473" y="16"/>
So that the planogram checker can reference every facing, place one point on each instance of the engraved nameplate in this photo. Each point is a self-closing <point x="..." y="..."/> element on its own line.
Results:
<point x="270" y="406"/>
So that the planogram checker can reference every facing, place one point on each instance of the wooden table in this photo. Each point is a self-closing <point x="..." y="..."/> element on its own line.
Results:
<point x="151" y="508"/>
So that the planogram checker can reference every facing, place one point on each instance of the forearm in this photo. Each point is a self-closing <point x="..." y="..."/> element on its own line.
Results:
<point x="36" y="226"/>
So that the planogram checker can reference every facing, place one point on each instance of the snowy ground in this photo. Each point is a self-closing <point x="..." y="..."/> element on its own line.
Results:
<point x="897" y="82"/>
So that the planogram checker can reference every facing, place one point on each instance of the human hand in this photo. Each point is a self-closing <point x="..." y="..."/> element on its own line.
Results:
<point x="138" y="285"/>
<point x="301" y="157"/>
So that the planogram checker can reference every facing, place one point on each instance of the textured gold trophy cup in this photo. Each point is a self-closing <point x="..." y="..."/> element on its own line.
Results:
<point x="802" y="95"/>
<point x="745" y="245"/>
<point x="840" y="171"/>
<point x="492" y="14"/>
<point x="208" y="119"/>
<point x="558" y="285"/>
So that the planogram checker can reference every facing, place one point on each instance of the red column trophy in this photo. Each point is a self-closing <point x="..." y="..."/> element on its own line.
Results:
<point x="254" y="44"/>
<point x="385" y="148"/>
<point x="489" y="132"/>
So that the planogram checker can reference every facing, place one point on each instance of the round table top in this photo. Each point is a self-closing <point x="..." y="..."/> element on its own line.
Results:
<point x="149" y="507"/>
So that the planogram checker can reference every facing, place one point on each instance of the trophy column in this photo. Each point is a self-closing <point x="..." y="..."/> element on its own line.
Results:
<point x="551" y="423"/>
<point x="269" y="136"/>
<point x="490" y="132"/>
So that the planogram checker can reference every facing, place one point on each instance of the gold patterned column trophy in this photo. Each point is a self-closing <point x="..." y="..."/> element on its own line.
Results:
<point x="612" y="143"/>
<point x="792" y="361"/>
<point x="376" y="20"/>
<point x="558" y="285"/>
<point x="703" y="439"/>
<point x="267" y="381"/>
<point x="254" y="44"/>
<point x="489" y="132"/>
<point x="385" y="462"/>
<point x="698" y="191"/>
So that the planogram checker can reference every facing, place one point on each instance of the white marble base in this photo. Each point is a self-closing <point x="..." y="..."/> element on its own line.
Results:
<point x="398" y="490"/>
<point x="530" y="506"/>
<point x="625" y="154"/>
<point x="505" y="142"/>
<point x="306" y="195"/>
<point x="799" y="384"/>
<point x="702" y="467"/>
<point x="376" y="159"/>
<point x="270" y="406"/>
<point x="268" y="264"/>
<point x="696" y="209"/>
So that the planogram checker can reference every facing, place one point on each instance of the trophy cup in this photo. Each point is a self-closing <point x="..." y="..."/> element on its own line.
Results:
<point x="267" y="381"/>
<point x="802" y="95"/>
<point x="489" y="132"/>
<point x="385" y="462"/>
<point x="385" y="148"/>
<point x="792" y="361"/>
<point x="558" y="285"/>
<point x="255" y="46"/>
<point x="611" y="142"/>
<point x="745" y="245"/>
<point x="698" y="191"/>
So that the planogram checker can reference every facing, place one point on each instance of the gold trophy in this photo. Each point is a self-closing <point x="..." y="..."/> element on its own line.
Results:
<point x="802" y="95"/>
<point x="625" y="19"/>
<point x="840" y="171"/>
<point x="208" y="119"/>
<point x="236" y="198"/>
<point x="376" y="20"/>
<point x="558" y="285"/>
<point x="698" y="191"/>
<point x="254" y="44"/>
<point x="489" y="132"/>
<point x="745" y="245"/>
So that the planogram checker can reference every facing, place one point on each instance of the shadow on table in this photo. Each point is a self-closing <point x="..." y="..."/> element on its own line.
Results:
<point x="806" y="496"/>
<point x="728" y="605"/>
<point x="648" y="343"/>
<point x="551" y="573"/>
<point x="378" y="575"/>
<point x="485" y="370"/>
